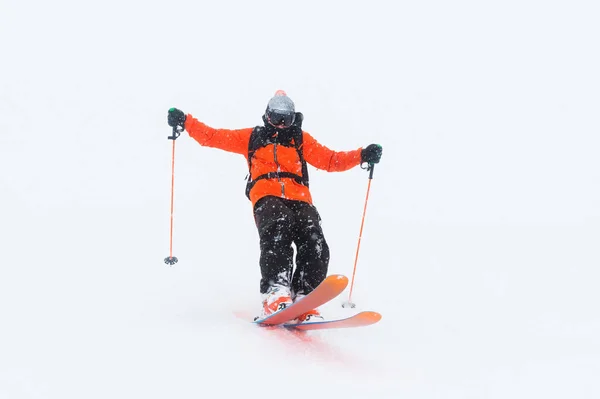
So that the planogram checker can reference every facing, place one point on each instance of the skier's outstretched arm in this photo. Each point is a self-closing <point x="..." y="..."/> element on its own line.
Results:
<point x="324" y="158"/>
<point x="224" y="139"/>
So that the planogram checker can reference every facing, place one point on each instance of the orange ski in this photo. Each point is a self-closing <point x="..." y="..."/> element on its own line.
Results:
<point x="359" y="320"/>
<point x="331" y="287"/>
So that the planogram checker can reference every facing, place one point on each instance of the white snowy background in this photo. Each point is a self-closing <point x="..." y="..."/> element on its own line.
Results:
<point x="481" y="237"/>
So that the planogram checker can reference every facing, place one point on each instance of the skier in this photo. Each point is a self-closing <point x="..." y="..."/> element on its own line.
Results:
<point x="277" y="154"/>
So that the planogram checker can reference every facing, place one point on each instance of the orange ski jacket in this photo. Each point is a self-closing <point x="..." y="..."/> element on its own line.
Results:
<point x="274" y="158"/>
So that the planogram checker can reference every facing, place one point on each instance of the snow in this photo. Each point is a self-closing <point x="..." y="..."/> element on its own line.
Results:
<point x="480" y="245"/>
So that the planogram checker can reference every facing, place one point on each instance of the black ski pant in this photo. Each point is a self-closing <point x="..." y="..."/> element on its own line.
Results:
<point x="281" y="223"/>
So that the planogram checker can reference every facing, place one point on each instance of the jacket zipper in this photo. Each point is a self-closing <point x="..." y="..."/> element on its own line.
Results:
<point x="278" y="170"/>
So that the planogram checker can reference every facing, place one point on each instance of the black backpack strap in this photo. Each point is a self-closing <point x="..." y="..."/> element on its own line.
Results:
<point x="272" y="175"/>
<point x="253" y="145"/>
<point x="298" y="143"/>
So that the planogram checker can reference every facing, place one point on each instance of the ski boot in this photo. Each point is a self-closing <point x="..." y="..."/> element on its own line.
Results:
<point x="277" y="298"/>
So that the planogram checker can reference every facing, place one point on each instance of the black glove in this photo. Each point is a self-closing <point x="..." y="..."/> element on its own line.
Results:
<point x="176" y="117"/>
<point x="371" y="154"/>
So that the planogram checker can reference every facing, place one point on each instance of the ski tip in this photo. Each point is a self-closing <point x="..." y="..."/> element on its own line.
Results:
<point x="338" y="277"/>
<point x="337" y="280"/>
<point x="372" y="317"/>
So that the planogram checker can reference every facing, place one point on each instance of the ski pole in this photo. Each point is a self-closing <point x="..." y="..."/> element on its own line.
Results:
<point x="171" y="260"/>
<point x="349" y="303"/>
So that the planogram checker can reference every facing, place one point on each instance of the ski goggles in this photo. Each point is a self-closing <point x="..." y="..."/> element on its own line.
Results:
<point x="281" y="119"/>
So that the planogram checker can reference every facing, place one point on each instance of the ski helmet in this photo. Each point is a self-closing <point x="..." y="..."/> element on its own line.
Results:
<point x="280" y="111"/>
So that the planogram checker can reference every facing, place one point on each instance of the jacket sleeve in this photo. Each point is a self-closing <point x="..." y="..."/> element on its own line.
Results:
<point x="322" y="157"/>
<point x="223" y="139"/>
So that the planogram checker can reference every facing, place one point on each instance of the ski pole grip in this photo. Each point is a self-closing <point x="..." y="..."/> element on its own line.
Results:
<point x="176" y="133"/>
<point x="371" y="168"/>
